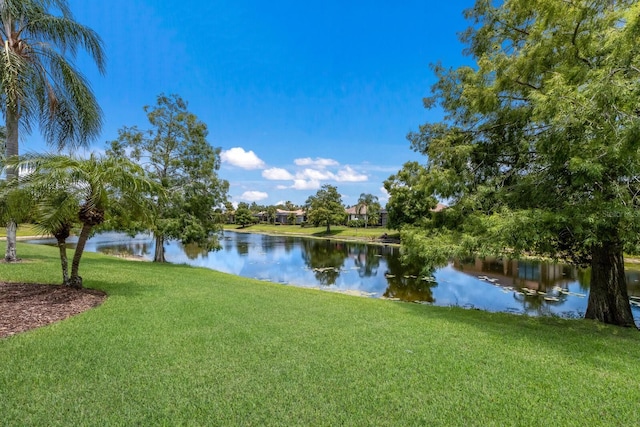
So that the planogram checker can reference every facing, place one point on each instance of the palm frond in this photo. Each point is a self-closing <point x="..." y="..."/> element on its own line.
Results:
<point x="38" y="80"/>
<point x="67" y="35"/>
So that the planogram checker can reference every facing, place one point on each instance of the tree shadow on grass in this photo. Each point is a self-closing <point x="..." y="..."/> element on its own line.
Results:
<point x="561" y="336"/>
<point x="120" y="289"/>
<point x="329" y="234"/>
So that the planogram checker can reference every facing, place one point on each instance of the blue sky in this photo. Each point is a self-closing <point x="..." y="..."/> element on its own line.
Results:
<point x="296" y="93"/>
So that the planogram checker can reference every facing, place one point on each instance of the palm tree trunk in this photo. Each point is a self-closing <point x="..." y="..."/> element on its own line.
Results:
<point x="75" y="280"/>
<point x="64" y="261"/>
<point x="11" y="255"/>
<point x="159" y="253"/>
<point x="608" y="297"/>
<point x="11" y="150"/>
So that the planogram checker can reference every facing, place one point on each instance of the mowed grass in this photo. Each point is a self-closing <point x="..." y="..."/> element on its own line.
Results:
<point x="337" y="231"/>
<point x="176" y="345"/>
<point x="24" y="230"/>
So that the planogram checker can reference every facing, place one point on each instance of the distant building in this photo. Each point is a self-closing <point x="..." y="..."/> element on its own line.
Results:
<point x="355" y="214"/>
<point x="282" y="216"/>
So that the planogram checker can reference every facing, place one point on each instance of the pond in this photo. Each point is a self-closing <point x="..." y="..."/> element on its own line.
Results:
<point x="523" y="287"/>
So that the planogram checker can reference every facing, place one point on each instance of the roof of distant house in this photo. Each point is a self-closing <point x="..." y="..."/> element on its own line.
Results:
<point x="439" y="208"/>
<point x="284" y="212"/>
<point x="353" y="210"/>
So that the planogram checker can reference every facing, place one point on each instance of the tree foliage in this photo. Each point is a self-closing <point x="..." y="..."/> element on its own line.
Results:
<point x="69" y="190"/>
<point x="176" y="155"/>
<point x="369" y="204"/>
<point x="39" y="83"/>
<point x="243" y="215"/>
<point x="271" y="213"/>
<point x="411" y="200"/>
<point x="539" y="148"/>
<point x="326" y="207"/>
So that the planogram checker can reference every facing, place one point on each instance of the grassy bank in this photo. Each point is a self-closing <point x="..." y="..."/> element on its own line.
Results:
<point x="175" y="345"/>
<point x="337" y="231"/>
<point x="24" y="230"/>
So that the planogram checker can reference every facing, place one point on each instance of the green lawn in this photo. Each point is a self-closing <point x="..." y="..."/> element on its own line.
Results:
<point x="175" y="345"/>
<point x="337" y="231"/>
<point x="24" y="230"/>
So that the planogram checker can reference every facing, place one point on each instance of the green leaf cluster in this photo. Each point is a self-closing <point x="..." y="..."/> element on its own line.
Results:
<point x="175" y="154"/>
<point x="325" y="207"/>
<point x="243" y="215"/>
<point x="539" y="148"/>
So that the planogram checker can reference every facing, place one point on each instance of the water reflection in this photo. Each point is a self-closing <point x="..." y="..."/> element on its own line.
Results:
<point x="526" y="287"/>
<point x="408" y="282"/>
<point x="325" y="258"/>
<point x="193" y="251"/>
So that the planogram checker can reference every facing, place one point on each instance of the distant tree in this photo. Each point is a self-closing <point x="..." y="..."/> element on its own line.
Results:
<point x="176" y="155"/>
<point x="410" y="201"/>
<point x="228" y="211"/>
<point x="289" y="206"/>
<point x="291" y="218"/>
<point x="256" y="208"/>
<point x="326" y="207"/>
<point x="271" y="214"/>
<point x="39" y="82"/>
<point x="243" y="215"/>
<point x="538" y="151"/>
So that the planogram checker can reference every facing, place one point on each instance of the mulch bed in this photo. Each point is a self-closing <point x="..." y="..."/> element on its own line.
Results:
<point x="26" y="306"/>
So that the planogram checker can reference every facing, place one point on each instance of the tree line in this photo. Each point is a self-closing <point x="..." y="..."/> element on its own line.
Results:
<point x="323" y="208"/>
<point x="538" y="152"/>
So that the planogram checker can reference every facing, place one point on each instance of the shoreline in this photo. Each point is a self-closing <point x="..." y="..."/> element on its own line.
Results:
<point x="628" y="259"/>
<point x="367" y="240"/>
<point x="44" y="236"/>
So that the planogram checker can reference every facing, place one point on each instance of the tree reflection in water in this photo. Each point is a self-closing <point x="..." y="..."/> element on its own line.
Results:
<point x="325" y="258"/>
<point x="366" y="258"/>
<point x="193" y="251"/>
<point x="125" y="249"/>
<point x="242" y="243"/>
<point x="537" y="286"/>
<point x="524" y="286"/>
<point x="405" y="282"/>
<point x="409" y="282"/>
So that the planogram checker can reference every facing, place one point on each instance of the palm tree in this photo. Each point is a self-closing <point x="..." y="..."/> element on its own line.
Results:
<point x="70" y="190"/>
<point x="55" y="213"/>
<point x="38" y="81"/>
<point x="369" y="204"/>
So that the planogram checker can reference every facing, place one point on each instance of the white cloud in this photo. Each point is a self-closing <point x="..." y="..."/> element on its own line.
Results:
<point x="318" y="162"/>
<point x="277" y="174"/>
<point x="349" y="175"/>
<point x="281" y="187"/>
<point x="385" y="195"/>
<point x="302" y="184"/>
<point x="314" y="175"/>
<point x="253" y="196"/>
<point x="243" y="159"/>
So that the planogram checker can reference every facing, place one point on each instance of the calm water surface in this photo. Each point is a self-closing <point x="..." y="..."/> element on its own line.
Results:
<point x="534" y="288"/>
